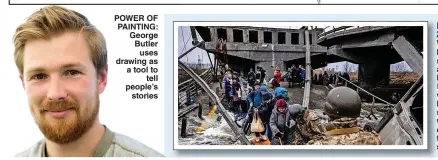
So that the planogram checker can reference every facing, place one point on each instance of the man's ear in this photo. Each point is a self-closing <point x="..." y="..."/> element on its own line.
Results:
<point x="22" y="80"/>
<point x="102" y="79"/>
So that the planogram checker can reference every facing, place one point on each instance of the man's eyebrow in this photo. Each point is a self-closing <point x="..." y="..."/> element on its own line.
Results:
<point x="35" y="69"/>
<point x="69" y="65"/>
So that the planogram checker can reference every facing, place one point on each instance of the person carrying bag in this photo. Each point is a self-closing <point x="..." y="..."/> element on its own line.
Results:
<point x="258" y="128"/>
<point x="257" y="124"/>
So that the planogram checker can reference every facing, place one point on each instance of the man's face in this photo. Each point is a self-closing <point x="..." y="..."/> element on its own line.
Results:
<point x="256" y="87"/>
<point x="62" y="86"/>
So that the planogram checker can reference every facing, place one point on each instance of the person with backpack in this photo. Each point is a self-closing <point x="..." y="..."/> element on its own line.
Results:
<point x="282" y="120"/>
<point x="279" y="92"/>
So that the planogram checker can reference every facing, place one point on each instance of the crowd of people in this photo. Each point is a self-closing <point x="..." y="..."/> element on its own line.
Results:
<point x="296" y="75"/>
<point x="326" y="78"/>
<point x="274" y="120"/>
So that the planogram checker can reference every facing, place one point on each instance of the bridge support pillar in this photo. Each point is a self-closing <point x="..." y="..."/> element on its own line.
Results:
<point x="374" y="73"/>
<point x="301" y="38"/>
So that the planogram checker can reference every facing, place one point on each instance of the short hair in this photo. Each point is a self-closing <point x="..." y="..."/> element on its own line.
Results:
<point x="51" y="21"/>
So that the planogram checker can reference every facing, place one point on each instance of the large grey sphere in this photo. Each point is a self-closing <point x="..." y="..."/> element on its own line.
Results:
<point x="342" y="102"/>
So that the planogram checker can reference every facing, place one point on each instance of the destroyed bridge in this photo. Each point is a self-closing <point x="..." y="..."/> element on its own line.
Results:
<point x="373" y="48"/>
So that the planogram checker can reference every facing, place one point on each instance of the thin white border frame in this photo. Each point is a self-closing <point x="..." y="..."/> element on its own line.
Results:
<point x="177" y="24"/>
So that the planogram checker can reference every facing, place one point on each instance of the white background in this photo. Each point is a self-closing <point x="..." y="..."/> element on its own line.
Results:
<point x="234" y="1"/>
<point x="142" y="120"/>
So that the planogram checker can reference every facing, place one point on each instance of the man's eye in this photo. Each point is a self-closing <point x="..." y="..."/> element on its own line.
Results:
<point x="72" y="72"/>
<point x="39" y="76"/>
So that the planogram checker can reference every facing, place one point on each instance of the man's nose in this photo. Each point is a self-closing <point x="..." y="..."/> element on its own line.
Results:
<point x="57" y="91"/>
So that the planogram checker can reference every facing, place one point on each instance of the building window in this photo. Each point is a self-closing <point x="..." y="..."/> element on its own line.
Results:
<point x="237" y="35"/>
<point x="310" y="39"/>
<point x="281" y="38"/>
<point x="295" y="38"/>
<point x="253" y="37"/>
<point x="267" y="37"/>
<point x="222" y="33"/>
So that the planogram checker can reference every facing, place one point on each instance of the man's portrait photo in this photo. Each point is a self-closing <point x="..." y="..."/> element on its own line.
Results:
<point x="62" y="62"/>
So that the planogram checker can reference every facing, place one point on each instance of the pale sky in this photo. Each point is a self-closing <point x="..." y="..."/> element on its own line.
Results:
<point x="184" y="37"/>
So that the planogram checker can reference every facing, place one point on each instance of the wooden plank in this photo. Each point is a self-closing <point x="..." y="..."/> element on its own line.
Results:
<point x="409" y="53"/>
<point x="307" y="84"/>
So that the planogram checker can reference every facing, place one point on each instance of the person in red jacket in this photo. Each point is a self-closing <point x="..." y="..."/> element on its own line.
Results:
<point x="277" y="75"/>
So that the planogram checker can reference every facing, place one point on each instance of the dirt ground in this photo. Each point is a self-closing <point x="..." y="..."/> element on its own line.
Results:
<point x="403" y="78"/>
<point x="317" y="95"/>
<point x="396" y="77"/>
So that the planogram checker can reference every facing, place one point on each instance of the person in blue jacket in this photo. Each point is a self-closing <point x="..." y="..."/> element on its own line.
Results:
<point x="303" y="75"/>
<point x="264" y="110"/>
<point x="255" y="98"/>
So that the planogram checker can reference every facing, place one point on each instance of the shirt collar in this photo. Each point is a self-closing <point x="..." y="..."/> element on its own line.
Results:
<point x="100" y="150"/>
